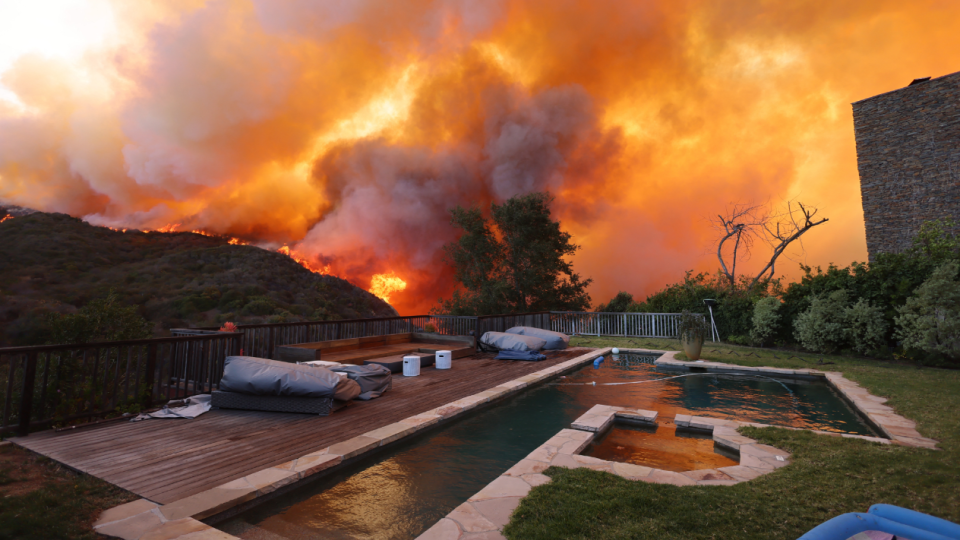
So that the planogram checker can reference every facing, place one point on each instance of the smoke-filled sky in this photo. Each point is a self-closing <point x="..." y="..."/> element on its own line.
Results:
<point x="349" y="128"/>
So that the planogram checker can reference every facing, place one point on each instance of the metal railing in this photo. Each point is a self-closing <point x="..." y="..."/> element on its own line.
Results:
<point x="644" y="325"/>
<point x="50" y="384"/>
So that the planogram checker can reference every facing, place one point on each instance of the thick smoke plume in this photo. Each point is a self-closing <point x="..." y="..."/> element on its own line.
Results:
<point x="348" y="129"/>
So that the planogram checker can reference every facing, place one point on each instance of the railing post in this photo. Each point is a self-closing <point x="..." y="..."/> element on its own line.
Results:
<point x="26" y="396"/>
<point x="149" y="378"/>
<point x="270" y="342"/>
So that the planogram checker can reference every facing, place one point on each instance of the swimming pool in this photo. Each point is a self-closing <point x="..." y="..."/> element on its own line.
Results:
<point x="402" y="491"/>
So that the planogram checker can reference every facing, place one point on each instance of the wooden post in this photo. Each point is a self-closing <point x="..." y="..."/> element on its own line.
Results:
<point x="26" y="396"/>
<point x="270" y="342"/>
<point x="149" y="377"/>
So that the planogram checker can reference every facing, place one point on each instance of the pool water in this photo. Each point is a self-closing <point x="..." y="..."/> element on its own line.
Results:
<point x="662" y="447"/>
<point x="401" y="492"/>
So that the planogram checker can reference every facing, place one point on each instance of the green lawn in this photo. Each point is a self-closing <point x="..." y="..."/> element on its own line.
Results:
<point x="828" y="476"/>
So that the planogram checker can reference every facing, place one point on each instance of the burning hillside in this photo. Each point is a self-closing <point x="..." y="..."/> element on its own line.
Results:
<point x="347" y="130"/>
<point x="55" y="263"/>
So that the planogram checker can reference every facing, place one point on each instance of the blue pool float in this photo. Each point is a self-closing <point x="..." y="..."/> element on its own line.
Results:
<point x="889" y="519"/>
<point x="596" y="363"/>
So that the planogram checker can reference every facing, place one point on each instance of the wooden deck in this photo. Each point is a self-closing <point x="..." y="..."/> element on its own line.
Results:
<point x="167" y="460"/>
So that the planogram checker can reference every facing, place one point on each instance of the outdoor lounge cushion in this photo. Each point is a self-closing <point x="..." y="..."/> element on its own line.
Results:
<point x="262" y="377"/>
<point x="512" y="342"/>
<point x="373" y="379"/>
<point x="555" y="340"/>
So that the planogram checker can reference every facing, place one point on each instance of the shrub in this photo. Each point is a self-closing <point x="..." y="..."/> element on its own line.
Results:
<point x="620" y="303"/>
<point x="821" y="327"/>
<point x="103" y="319"/>
<point x="765" y="319"/>
<point x="930" y="320"/>
<point x="866" y="327"/>
<point x="259" y="306"/>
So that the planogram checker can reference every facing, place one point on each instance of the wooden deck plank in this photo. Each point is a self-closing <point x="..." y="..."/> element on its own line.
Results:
<point x="166" y="460"/>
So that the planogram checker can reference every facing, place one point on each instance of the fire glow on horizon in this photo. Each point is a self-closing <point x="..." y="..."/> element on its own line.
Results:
<point x="346" y="131"/>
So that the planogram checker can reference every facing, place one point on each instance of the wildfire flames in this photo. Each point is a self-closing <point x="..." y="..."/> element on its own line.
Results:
<point x="348" y="130"/>
<point x="385" y="285"/>
<point x="304" y="262"/>
<point x="6" y="217"/>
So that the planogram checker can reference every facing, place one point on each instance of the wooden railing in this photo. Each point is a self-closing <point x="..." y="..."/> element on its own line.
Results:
<point x="646" y="325"/>
<point x="50" y="384"/>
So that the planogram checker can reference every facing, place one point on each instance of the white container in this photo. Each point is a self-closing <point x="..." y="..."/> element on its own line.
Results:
<point x="444" y="359"/>
<point x="411" y="366"/>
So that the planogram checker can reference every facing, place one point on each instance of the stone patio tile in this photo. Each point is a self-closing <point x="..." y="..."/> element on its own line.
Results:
<point x="445" y="529"/>
<point x="210" y="502"/>
<point x="631" y="471"/>
<point x="132" y="527"/>
<point x="269" y="480"/>
<point x="536" y="479"/>
<point x="708" y="474"/>
<point x="752" y="450"/>
<point x="593" y="422"/>
<point x="682" y="420"/>
<point x="732" y="441"/>
<point x="354" y="447"/>
<point x="755" y="463"/>
<point x="920" y="442"/>
<point x="172" y="530"/>
<point x="669" y="477"/>
<point x="470" y="519"/>
<point x="898" y="431"/>
<point x="594" y="463"/>
<point x="565" y="460"/>
<point x="526" y="466"/>
<point x="421" y="421"/>
<point x="575" y="434"/>
<point x="311" y="464"/>
<point x="573" y="447"/>
<point x="124" y="511"/>
<point x="512" y="385"/>
<point x="447" y="411"/>
<point x="777" y="371"/>
<point x="544" y="452"/>
<point x="774" y="462"/>
<point x="486" y="535"/>
<point x="765" y="448"/>
<point x="498" y="510"/>
<point x="892" y="420"/>
<point x="503" y="486"/>
<point x="739" y="472"/>
<point x="391" y="432"/>
<point x="470" y="402"/>
<point x="638" y="415"/>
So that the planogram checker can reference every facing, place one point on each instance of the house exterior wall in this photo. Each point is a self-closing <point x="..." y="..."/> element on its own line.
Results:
<point x="908" y="156"/>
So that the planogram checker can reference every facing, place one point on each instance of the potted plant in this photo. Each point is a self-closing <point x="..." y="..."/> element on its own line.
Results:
<point x="693" y="330"/>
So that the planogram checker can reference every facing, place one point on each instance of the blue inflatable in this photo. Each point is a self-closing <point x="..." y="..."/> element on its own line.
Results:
<point x="889" y="519"/>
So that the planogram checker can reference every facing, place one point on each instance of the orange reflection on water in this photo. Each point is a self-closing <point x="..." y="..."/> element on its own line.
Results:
<point x="661" y="448"/>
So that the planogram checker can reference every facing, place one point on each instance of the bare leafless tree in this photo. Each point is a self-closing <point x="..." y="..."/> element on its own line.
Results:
<point x="745" y="224"/>
<point x="742" y="225"/>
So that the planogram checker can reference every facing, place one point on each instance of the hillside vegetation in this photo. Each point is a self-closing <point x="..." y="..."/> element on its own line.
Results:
<point x="54" y="263"/>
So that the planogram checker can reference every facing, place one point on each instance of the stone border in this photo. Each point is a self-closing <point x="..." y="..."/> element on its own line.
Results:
<point x="146" y="520"/>
<point x="871" y="408"/>
<point x="486" y="513"/>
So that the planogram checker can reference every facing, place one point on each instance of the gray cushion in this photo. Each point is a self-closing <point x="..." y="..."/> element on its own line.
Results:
<point x="554" y="340"/>
<point x="512" y="342"/>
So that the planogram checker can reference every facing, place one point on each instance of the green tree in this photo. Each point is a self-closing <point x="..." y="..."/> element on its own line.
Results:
<point x="621" y="303"/>
<point x="514" y="262"/>
<point x="930" y="320"/>
<point x="102" y="319"/>
<point x="765" y="319"/>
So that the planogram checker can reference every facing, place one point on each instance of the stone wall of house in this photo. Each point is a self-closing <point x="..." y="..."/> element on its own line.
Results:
<point x="908" y="154"/>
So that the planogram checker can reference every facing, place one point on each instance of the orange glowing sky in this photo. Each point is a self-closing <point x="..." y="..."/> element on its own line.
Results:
<point x="347" y="129"/>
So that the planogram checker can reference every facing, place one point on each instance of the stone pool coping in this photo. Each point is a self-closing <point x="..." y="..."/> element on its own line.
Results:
<point x="871" y="408"/>
<point x="486" y="513"/>
<point x="146" y="520"/>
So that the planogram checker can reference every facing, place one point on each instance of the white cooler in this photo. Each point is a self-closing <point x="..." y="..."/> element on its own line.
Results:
<point x="444" y="359"/>
<point x="411" y="366"/>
